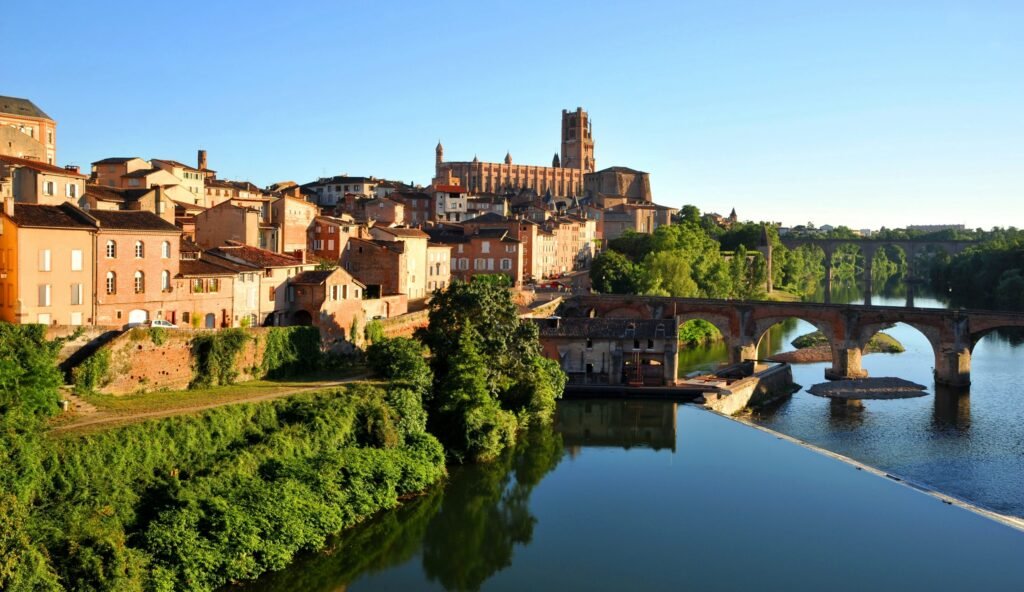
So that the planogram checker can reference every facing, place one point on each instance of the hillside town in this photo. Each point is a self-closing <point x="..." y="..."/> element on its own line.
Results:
<point x="136" y="240"/>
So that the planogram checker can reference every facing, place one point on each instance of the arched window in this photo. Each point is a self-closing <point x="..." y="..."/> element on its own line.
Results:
<point x="165" y="250"/>
<point x="111" y="282"/>
<point x="140" y="282"/>
<point x="165" y="280"/>
<point x="111" y="249"/>
<point x="140" y="250"/>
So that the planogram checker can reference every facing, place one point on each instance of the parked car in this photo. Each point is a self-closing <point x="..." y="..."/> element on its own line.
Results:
<point x="161" y="324"/>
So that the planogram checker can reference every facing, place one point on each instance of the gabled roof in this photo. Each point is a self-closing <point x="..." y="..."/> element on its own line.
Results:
<point x="64" y="216"/>
<point x="182" y="165"/>
<point x="403" y="232"/>
<point x="319" y="276"/>
<point x="21" y="108"/>
<point x="136" y="220"/>
<point x="117" y="160"/>
<point x="490" y="218"/>
<point x="42" y="167"/>
<point x="259" y="257"/>
<point x="202" y="268"/>
<point x="143" y="172"/>
<point x="618" y="169"/>
<point x="113" y="194"/>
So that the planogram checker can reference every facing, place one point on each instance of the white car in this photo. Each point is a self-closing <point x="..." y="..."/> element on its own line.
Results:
<point x="161" y="323"/>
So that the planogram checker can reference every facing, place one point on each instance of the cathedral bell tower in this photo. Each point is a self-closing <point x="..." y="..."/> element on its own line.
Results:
<point x="577" y="141"/>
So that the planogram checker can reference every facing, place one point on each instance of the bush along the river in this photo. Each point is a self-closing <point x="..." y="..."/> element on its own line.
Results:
<point x="191" y="502"/>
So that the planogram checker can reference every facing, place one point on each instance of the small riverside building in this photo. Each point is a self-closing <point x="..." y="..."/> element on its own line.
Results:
<point x="598" y="351"/>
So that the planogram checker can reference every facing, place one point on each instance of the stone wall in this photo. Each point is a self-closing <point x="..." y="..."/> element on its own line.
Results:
<point x="138" y="364"/>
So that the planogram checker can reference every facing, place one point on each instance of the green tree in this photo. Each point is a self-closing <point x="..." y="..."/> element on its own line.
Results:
<point x="612" y="272"/>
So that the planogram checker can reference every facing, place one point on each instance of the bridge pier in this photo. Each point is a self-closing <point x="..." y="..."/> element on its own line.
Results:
<point x="953" y="367"/>
<point x="671" y="363"/>
<point x="846" y="364"/>
<point x="742" y="352"/>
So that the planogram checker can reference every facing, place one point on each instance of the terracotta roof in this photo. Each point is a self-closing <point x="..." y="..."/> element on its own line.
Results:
<point x="132" y="220"/>
<point x="202" y="267"/>
<point x="181" y="164"/>
<point x="113" y="194"/>
<point x="403" y="232"/>
<point x="489" y="218"/>
<point x="40" y="166"/>
<point x="21" y="107"/>
<point x="312" y="277"/>
<point x="116" y="160"/>
<point x="41" y="216"/>
<point x="450" y="189"/>
<point x="141" y="172"/>
<point x="259" y="257"/>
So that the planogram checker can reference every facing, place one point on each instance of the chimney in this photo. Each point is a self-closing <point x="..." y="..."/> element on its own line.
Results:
<point x="202" y="160"/>
<point x="71" y="167"/>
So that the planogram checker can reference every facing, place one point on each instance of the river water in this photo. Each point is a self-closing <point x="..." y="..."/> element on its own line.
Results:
<point x="969" y="445"/>
<point x="631" y="494"/>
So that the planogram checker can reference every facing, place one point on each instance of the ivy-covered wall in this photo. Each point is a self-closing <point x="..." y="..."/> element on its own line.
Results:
<point x="144" y="360"/>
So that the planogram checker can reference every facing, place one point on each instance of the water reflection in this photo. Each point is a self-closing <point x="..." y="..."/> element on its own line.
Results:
<point x="617" y="423"/>
<point x="952" y="409"/>
<point x="465" y="531"/>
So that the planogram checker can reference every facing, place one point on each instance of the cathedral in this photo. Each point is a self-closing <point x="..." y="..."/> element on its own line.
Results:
<point x="563" y="178"/>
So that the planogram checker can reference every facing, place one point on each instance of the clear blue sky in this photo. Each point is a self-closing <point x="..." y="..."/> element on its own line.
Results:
<point x="913" y="112"/>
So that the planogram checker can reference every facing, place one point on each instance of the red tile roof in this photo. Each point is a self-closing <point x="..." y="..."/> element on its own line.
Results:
<point x="450" y="189"/>
<point x="42" y="167"/>
<point x="254" y="255"/>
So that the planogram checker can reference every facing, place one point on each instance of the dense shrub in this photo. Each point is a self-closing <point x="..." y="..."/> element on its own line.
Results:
<point x="400" y="360"/>
<point x="291" y="350"/>
<point x="195" y="502"/>
<point x="92" y="373"/>
<point x="215" y="355"/>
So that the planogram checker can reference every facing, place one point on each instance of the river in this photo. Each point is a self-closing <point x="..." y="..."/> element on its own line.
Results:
<point x="631" y="494"/>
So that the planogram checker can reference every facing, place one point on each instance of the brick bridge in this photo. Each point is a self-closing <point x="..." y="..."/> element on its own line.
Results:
<point x="868" y="247"/>
<point x="952" y="333"/>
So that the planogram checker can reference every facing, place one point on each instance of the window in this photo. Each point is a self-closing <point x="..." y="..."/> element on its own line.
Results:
<point x="506" y="264"/>
<point x="71" y="190"/>
<point x="140" y="282"/>
<point x="590" y="343"/>
<point x="44" y="294"/>
<point x="44" y="259"/>
<point x="165" y="281"/>
<point x="76" y="319"/>
<point x="140" y="250"/>
<point x="111" y="249"/>
<point x="76" y="259"/>
<point x="344" y="292"/>
<point x="133" y="182"/>
<point x="185" y="318"/>
<point x="485" y="247"/>
<point x="165" y="250"/>
<point x="111" y="282"/>
<point x="43" y="318"/>
<point x="197" y="286"/>
<point x="76" y="294"/>
<point x="213" y="284"/>
<point x="49" y="188"/>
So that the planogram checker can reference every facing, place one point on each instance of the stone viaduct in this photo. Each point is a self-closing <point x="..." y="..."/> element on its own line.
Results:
<point x="868" y="247"/>
<point x="952" y="333"/>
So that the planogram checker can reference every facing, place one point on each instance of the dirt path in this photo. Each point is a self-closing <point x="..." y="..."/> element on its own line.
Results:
<point x="106" y="417"/>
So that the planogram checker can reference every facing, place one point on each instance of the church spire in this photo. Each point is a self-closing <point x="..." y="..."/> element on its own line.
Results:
<point x="439" y="153"/>
<point x="508" y="158"/>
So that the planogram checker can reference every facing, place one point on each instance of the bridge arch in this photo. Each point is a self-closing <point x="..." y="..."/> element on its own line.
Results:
<point x="932" y="334"/>
<point x="763" y="326"/>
